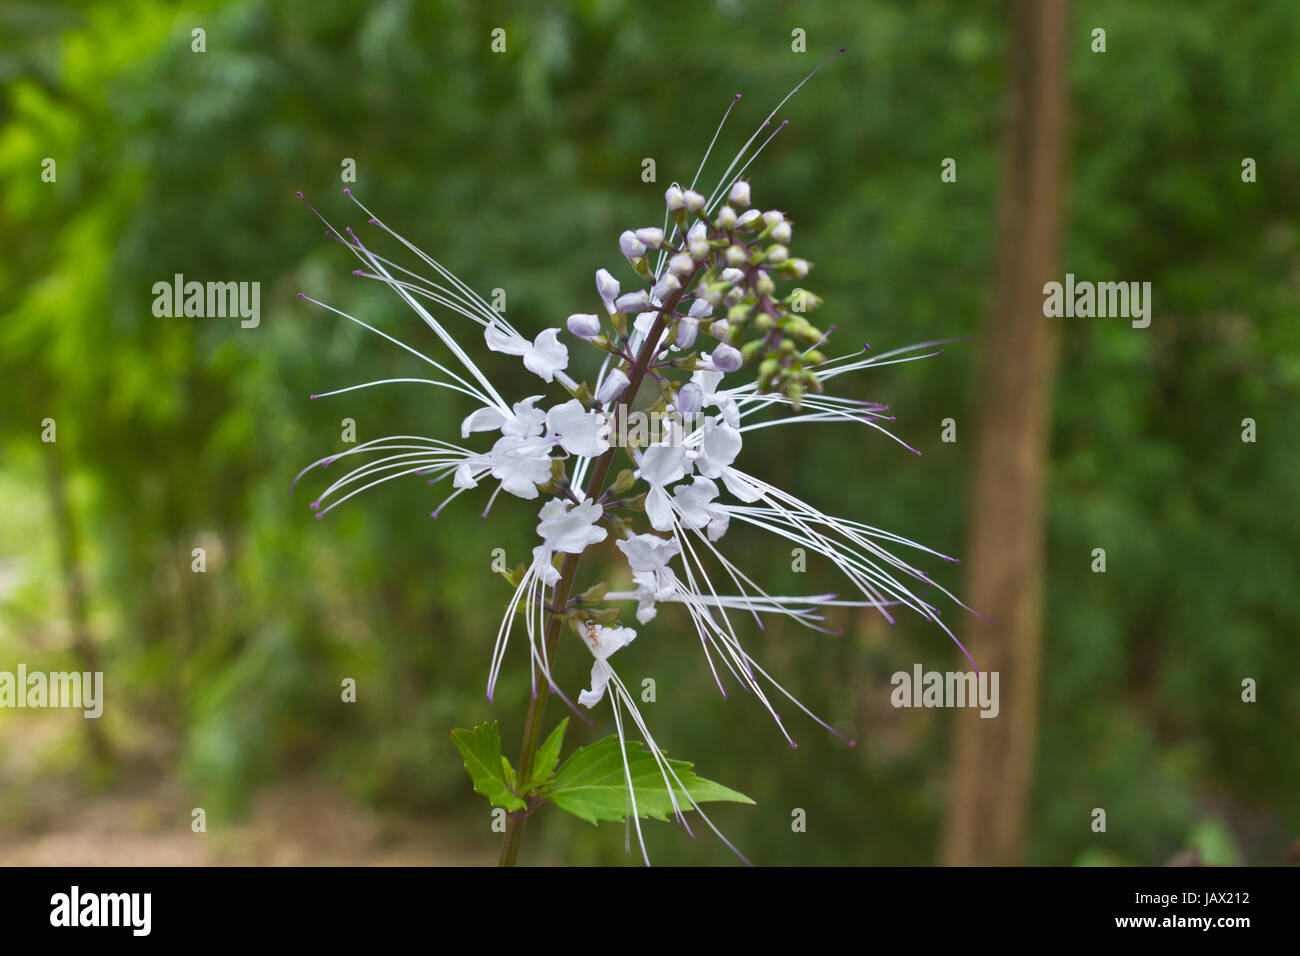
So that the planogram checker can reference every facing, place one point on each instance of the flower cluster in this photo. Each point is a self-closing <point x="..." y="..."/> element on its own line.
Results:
<point x="699" y="331"/>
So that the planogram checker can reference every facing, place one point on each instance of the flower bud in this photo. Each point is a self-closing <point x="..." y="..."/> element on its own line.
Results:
<point x="701" y="309"/>
<point x="697" y="232"/>
<point x="772" y="217"/>
<point x="732" y="275"/>
<point x="652" y="237"/>
<point x="698" y="249"/>
<point x="681" y="264"/>
<point x="675" y="198"/>
<point x="777" y="254"/>
<point x="726" y="218"/>
<point x="764" y="285"/>
<point x="665" y="287"/>
<point x="583" y="326"/>
<point x="737" y="256"/>
<point x="630" y="245"/>
<point x="719" y="328"/>
<point x="781" y="232"/>
<point x="694" y="201"/>
<point x="725" y="358"/>
<point x="799" y="267"/>
<point x="687" y="329"/>
<point x="608" y="288"/>
<point x="612" y="387"/>
<point x="690" y="400"/>
<point x="740" y="194"/>
<point x="632" y="301"/>
<point x="749" y="218"/>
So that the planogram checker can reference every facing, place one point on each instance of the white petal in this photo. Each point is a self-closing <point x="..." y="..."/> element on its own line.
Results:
<point x="658" y="510"/>
<point x="486" y="419"/>
<point x="499" y="340"/>
<point x="577" y="430"/>
<point x="599" y="680"/>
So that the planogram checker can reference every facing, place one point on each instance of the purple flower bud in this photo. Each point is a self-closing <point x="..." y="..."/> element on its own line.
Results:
<point x="781" y="232"/>
<point x="665" y="287"/>
<point x="632" y="301"/>
<point x="675" y="198"/>
<point x="750" y="217"/>
<point x="697" y="232"/>
<point x="694" y="201"/>
<point x="681" y="264"/>
<point x="608" y="288"/>
<point x="583" y="326"/>
<point x="700" y="309"/>
<point x="687" y="329"/>
<point x="725" y="358"/>
<point x="653" y="238"/>
<point x="740" y="194"/>
<point x="690" y="400"/>
<point x="698" y="249"/>
<point x="726" y="218"/>
<point x="732" y="275"/>
<point x="630" y="245"/>
<point x="612" y="387"/>
<point x="772" y="217"/>
<point x="719" y="328"/>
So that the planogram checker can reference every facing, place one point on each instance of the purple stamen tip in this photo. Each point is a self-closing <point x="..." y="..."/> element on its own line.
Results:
<point x="319" y="515"/>
<point x="311" y="397"/>
<point x="347" y="191"/>
<point x="302" y="295"/>
<point x="299" y="193"/>
<point x="793" y="745"/>
<point x="374" y="222"/>
<point x="315" y="506"/>
<point x="853" y="743"/>
<point x="866" y="346"/>
<point x="842" y="49"/>
<point x="356" y="272"/>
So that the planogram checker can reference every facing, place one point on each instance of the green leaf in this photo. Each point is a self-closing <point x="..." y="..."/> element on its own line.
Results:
<point x="591" y="784"/>
<point x="548" y="755"/>
<point x="481" y="748"/>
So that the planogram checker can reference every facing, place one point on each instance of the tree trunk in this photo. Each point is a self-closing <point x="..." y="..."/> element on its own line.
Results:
<point x="993" y="758"/>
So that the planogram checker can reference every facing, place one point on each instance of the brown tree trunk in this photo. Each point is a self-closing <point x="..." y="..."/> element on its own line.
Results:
<point x="993" y="758"/>
<point x="74" y="585"/>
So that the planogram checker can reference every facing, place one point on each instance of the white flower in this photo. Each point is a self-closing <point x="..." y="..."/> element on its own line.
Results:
<point x="646" y="594"/>
<point x="740" y="193"/>
<point x="524" y="423"/>
<point x="570" y="530"/>
<point x="544" y="357"/>
<point x="650" y="554"/>
<point x="602" y="641"/>
<point x="576" y="430"/>
<point x="690" y="399"/>
<point x="607" y="286"/>
<point x="694" y="503"/>
<point x="543" y="566"/>
<point x="520" y="464"/>
<point x="719" y="446"/>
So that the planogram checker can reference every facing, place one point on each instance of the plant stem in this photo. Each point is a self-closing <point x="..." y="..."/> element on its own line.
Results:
<point x="568" y="574"/>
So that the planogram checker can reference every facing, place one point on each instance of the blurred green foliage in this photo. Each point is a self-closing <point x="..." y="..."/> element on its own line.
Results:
<point x="518" y="171"/>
